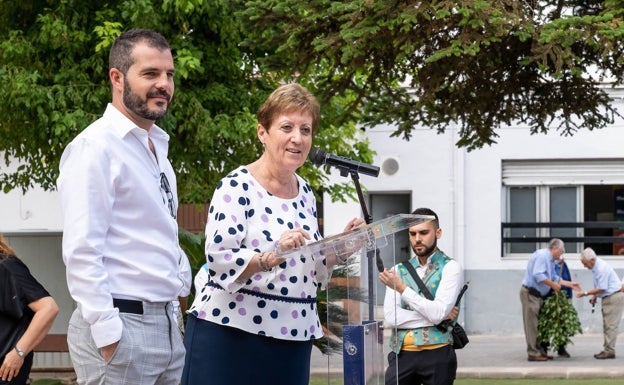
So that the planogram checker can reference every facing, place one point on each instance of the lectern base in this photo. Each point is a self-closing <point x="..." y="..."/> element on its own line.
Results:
<point x="362" y="352"/>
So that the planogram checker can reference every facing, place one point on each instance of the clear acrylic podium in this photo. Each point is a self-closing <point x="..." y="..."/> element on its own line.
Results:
<point x="355" y="345"/>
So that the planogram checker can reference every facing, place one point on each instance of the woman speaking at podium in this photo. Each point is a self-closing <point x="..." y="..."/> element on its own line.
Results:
<point x="255" y="320"/>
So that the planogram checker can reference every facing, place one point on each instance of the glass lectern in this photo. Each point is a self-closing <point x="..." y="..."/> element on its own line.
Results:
<point x="354" y="349"/>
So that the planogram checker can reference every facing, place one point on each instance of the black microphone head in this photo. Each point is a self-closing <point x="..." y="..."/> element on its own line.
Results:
<point x="317" y="156"/>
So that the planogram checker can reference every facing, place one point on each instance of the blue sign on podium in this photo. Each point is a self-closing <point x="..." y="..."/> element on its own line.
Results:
<point x="362" y="352"/>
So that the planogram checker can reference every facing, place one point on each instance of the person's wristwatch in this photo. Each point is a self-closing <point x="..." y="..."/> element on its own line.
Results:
<point x="19" y="351"/>
<point x="586" y="293"/>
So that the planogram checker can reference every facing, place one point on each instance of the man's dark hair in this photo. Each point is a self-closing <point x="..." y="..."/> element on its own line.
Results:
<point x="120" y="56"/>
<point x="426" y="211"/>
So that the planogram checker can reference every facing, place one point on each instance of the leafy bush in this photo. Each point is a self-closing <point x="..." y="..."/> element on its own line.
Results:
<point x="558" y="321"/>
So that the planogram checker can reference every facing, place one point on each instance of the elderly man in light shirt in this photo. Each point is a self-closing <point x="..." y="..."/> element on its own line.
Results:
<point x="607" y="287"/>
<point x="539" y="278"/>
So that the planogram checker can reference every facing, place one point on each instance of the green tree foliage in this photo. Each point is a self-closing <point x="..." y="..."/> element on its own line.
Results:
<point x="480" y="64"/>
<point x="54" y="82"/>
<point x="558" y="321"/>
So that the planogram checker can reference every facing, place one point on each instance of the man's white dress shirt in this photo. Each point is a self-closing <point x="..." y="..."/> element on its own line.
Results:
<point x="119" y="238"/>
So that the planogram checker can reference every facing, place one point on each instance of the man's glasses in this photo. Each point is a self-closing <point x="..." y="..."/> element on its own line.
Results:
<point x="164" y="184"/>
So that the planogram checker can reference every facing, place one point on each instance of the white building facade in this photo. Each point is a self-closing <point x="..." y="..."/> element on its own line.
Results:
<point x="524" y="178"/>
<point x="547" y="178"/>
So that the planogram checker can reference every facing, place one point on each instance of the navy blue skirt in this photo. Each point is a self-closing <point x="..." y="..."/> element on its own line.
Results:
<point x="223" y="355"/>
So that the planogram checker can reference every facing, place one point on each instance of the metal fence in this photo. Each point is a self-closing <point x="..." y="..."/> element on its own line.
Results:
<point x="615" y="227"/>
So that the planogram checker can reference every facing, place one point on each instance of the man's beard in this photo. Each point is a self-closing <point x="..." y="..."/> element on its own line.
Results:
<point x="428" y="250"/>
<point x="136" y="104"/>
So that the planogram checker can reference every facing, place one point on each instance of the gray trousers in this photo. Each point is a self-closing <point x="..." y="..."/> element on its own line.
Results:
<point x="612" y="307"/>
<point x="150" y="351"/>
<point x="530" y="316"/>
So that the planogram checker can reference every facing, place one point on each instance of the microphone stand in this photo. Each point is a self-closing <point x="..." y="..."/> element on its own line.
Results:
<point x="371" y="254"/>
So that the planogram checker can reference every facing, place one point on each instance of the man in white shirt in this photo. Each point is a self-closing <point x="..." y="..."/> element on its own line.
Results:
<point x="118" y="195"/>
<point x="422" y="353"/>
<point x="607" y="287"/>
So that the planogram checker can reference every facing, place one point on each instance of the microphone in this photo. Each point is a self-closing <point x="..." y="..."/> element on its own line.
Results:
<point x="345" y="165"/>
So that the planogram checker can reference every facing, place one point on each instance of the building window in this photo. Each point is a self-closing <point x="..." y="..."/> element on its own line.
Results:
<point x="522" y="209"/>
<point x="563" y="207"/>
<point x="541" y="204"/>
<point x="579" y="201"/>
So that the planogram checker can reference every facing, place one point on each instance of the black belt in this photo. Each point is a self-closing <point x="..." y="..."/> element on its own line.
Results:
<point x="272" y="297"/>
<point x="128" y="306"/>
<point x="611" y="294"/>
<point x="532" y="291"/>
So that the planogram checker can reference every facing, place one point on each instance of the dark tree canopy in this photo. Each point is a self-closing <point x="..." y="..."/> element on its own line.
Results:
<point x="479" y="64"/>
<point x="475" y="64"/>
<point x="54" y="82"/>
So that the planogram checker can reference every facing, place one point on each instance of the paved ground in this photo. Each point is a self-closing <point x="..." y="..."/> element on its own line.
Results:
<point x="504" y="356"/>
<point x="489" y="356"/>
<point x="499" y="356"/>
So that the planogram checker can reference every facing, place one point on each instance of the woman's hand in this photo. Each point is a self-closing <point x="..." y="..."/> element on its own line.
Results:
<point x="45" y="310"/>
<point x="334" y="258"/>
<point x="293" y="239"/>
<point x="11" y="366"/>
<point x="354" y="224"/>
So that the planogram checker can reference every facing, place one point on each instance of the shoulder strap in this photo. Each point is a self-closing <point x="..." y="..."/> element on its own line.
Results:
<point x="419" y="282"/>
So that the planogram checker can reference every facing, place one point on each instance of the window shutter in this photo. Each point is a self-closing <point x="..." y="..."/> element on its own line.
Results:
<point x="561" y="172"/>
